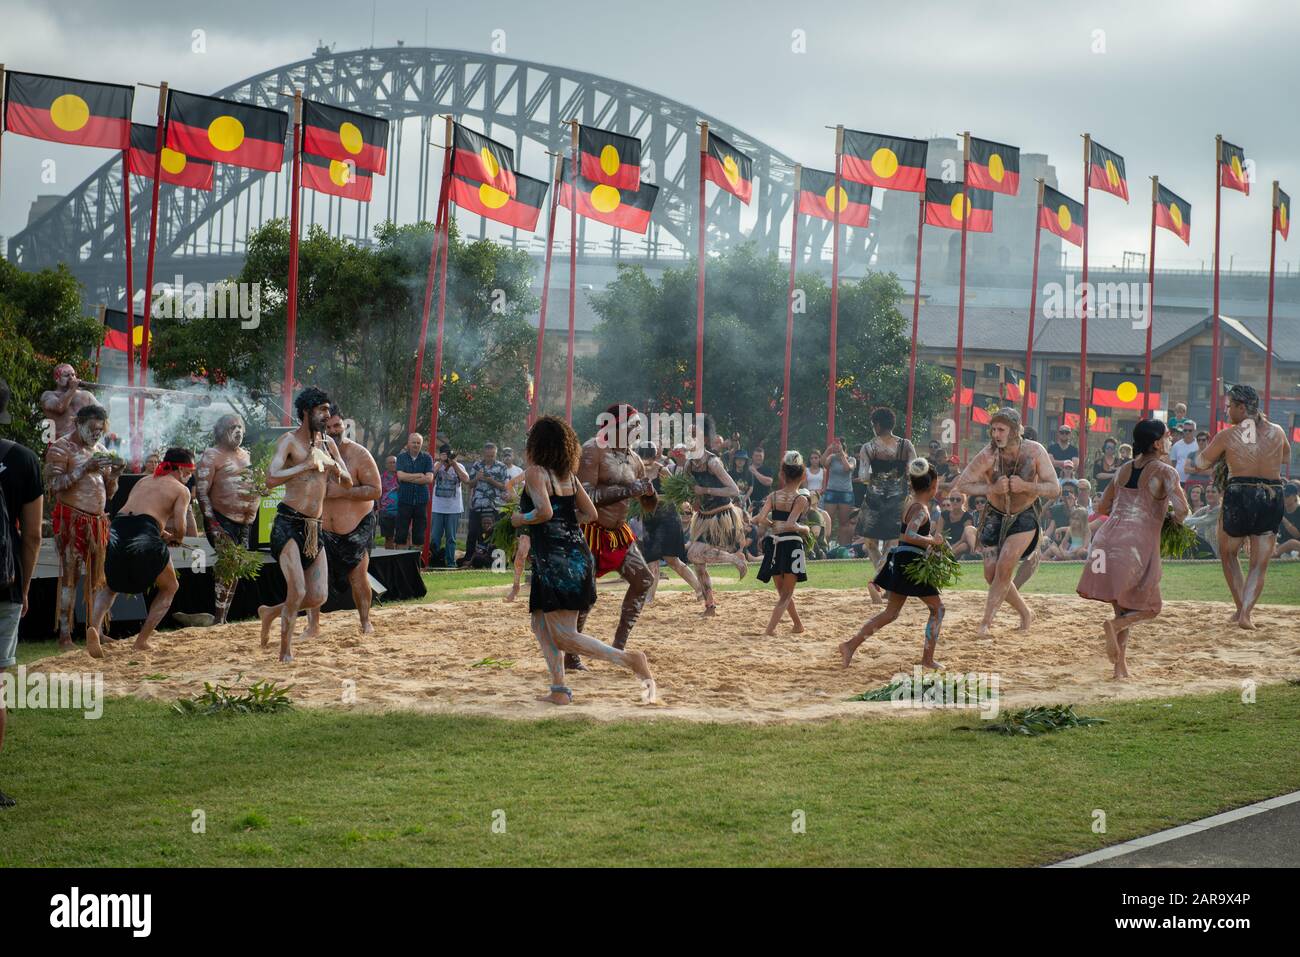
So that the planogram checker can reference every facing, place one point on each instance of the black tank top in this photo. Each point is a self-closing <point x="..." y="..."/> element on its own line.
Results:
<point x="922" y="529"/>
<point x="704" y="478"/>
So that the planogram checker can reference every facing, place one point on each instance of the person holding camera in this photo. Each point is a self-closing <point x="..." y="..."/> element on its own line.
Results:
<point x="448" y="474"/>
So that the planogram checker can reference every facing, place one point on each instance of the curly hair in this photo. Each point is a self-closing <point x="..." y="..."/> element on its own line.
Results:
<point x="553" y="445"/>
<point x="307" y="400"/>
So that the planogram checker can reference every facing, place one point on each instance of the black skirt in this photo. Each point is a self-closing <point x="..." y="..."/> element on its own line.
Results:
<point x="783" y="555"/>
<point x="136" y="556"/>
<point x="664" y="535"/>
<point x="892" y="577"/>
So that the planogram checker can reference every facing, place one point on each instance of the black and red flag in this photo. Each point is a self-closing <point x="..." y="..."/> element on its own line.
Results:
<point x="1232" y="167"/>
<point x="1174" y="213"/>
<point x="817" y="198"/>
<point x="968" y="384"/>
<point x="1119" y="390"/>
<point x="520" y="211"/>
<point x="1295" y="426"/>
<point x="1282" y="214"/>
<point x="177" y="168"/>
<point x="889" y="162"/>
<point x="343" y="135"/>
<point x="207" y="128"/>
<point x="1013" y="386"/>
<point x="1061" y="216"/>
<point x="993" y="166"/>
<point x="946" y="203"/>
<point x="1106" y="171"/>
<point x="1070" y="417"/>
<point x="484" y="160"/>
<point x="115" y="330"/>
<point x="624" y="209"/>
<point x="729" y="168"/>
<point x="68" y="111"/>
<point x="610" y="158"/>
<point x="983" y="407"/>
<point x="336" y="178"/>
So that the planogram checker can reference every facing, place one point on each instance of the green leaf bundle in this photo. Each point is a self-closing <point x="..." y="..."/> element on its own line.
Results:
<point x="235" y="563"/>
<point x="504" y="534"/>
<point x="1176" y="539"/>
<point x="1040" y="719"/>
<point x="936" y="568"/>
<point x="263" y="697"/>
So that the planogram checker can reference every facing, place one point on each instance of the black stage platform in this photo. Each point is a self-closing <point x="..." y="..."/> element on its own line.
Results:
<point x="398" y="572"/>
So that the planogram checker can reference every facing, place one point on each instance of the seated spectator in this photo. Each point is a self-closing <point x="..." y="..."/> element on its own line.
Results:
<point x="481" y="556"/>
<point x="1085" y="495"/>
<point x="1125" y="453"/>
<point x="959" y="527"/>
<point x="1288" y="533"/>
<point x="1205" y="522"/>
<point x="1196" y="473"/>
<point x="1195" y="496"/>
<point x="1067" y="472"/>
<point x="1073" y="541"/>
<point x="1058" y="513"/>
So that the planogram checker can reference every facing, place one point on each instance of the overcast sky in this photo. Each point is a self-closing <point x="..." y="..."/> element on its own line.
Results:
<point x="1172" y="75"/>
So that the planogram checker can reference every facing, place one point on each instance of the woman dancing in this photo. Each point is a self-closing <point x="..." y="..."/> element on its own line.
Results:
<point x="717" y="529"/>
<point x="882" y="463"/>
<point x="912" y="544"/>
<point x="551" y="506"/>
<point x="1125" y="567"/>
<point x="663" y="536"/>
<point x="783" y="546"/>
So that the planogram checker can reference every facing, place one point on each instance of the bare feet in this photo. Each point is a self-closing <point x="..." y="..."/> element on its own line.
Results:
<point x="1245" y="622"/>
<point x="846" y="653"/>
<point x="92" y="644"/>
<point x="142" y="644"/>
<point x="1026" y="621"/>
<point x="556" y="697"/>
<point x="313" y="630"/>
<point x="514" y="592"/>
<point x="286" y="657"/>
<point x="65" y="644"/>
<point x="797" y="630"/>
<point x="264" y="613"/>
<point x="1112" y="641"/>
<point x="367" y="628"/>
<point x="877" y="595"/>
<point x="742" y="566"/>
<point x="983" y="630"/>
<point x="636" y="660"/>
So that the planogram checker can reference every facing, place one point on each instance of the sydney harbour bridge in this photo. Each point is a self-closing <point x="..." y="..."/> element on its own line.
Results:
<point x="525" y="105"/>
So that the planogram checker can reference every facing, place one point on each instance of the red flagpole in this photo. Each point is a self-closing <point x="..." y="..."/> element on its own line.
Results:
<point x="1151" y="297"/>
<point x="445" y="201"/>
<point x="1033" y="309"/>
<point x="789" y="314"/>
<point x="966" y="207"/>
<point x="2" y="114"/>
<point x="1214" y="359"/>
<point x="916" y="316"/>
<point x="100" y="346"/>
<point x="699" y="279"/>
<point x="546" y="288"/>
<point x="130" y="306"/>
<point x="1272" y="265"/>
<point x="835" y="287"/>
<point x="291" y="323"/>
<point x="573" y="269"/>
<point x="434" y="252"/>
<point x="149" y="263"/>
<point x="1083" y="316"/>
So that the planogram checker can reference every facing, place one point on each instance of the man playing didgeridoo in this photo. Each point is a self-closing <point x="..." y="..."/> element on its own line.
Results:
<point x="1255" y="450"/>
<point x="224" y="488"/>
<point x="303" y="463"/>
<point x="349" y="520"/>
<point x="1012" y="473"/>
<point x="138" y="555"/>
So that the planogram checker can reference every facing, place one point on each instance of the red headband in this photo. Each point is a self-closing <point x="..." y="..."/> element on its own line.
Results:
<point x="164" y="468"/>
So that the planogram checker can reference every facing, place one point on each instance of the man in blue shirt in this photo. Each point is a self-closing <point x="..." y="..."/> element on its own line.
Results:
<point x="414" y="476"/>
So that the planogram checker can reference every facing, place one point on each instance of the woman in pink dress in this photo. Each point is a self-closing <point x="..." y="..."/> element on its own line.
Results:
<point x="1123" y="567"/>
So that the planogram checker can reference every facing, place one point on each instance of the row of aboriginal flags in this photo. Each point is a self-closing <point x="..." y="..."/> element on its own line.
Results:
<point x="337" y="151"/>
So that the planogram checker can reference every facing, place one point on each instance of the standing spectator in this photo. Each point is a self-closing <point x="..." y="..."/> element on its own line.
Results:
<point x="1178" y="416"/>
<point x="816" y="475"/>
<point x="838" y="497"/>
<point x="1196" y="473"/>
<point x="448" y="504"/>
<point x="1105" y="465"/>
<point x="761" y="480"/>
<point x="1183" y="449"/>
<point x="487" y="478"/>
<point x="386" y="507"/>
<point x="1288" y="533"/>
<point x="1063" y="451"/>
<point x="22" y="498"/>
<point x="1125" y="453"/>
<point x="414" y="476"/>
<point x="939" y="459"/>
<point x="513" y="471"/>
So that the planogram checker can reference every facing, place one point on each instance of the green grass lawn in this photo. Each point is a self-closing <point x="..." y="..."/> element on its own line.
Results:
<point x="317" y="787"/>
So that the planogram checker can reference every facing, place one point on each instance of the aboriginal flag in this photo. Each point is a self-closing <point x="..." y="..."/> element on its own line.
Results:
<point x="68" y="111"/>
<point x="204" y="127"/>
<point x="343" y="135"/>
<point x="336" y="177"/>
<point x="1282" y="214"/>
<point x="610" y="158"/>
<point x="624" y="209"/>
<point x="993" y="166"/>
<point x="1118" y="390"/>
<point x="968" y="384"/>
<point x="982" y="409"/>
<point x="476" y="157"/>
<point x="520" y="211"/>
<point x="1070" y="417"/>
<point x="177" y="168"/>
<point x="115" y="330"/>
<point x="1232" y="167"/>
<point x="729" y="168"/>
<point x="1061" y="216"/>
<point x="1174" y="213"/>
<point x="886" y="161"/>
<point x="1013" y="386"/>
<point x="1295" y="426"/>
<point x="1106" y="171"/>
<point x="944" y="206"/>
<point x="817" y="198"/>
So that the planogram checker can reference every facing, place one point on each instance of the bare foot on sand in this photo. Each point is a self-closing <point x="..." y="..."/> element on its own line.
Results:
<point x="264" y="613"/>
<point x="511" y="595"/>
<point x="313" y="631"/>
<point x="557" y="697"/>
<point x="1245" y="622"/>
<point x="142" y="644"/>
<point x="983" y="630"/>
<point x="367" y="628"/>
<point x="742" y="566"/>
<point x="65" y="644"/>
<point x="636" y="660"/>
<point x="93" y="647"/>
<point x="846" y="653"/>
<point x="286" y="658"/>
<point x="1112" y="642"/>
<point x="1026" y="621"/>
<point x="797" y="630"/>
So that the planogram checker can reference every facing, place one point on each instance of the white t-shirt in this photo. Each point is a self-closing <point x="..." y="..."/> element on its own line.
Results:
<point x="815" y="479"/>
<point x="1179" y="453"/>
<point x="447" y="490"/>
<point x="512" y="471"/>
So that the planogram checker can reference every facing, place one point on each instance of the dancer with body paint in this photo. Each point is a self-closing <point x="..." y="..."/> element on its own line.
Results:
<point x="784" y="560"/>
<point x="717" y="529"/>
<point x="664" y="538"/>
<point x="224" y="488"/>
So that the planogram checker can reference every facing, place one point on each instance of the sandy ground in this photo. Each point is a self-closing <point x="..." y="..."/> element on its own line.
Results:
<point x="431" y="657"/>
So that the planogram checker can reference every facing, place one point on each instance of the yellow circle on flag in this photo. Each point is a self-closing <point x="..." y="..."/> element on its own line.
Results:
<point x="69" y="112"/>
<point x="351" y="138"/>
<point x="884" y="162"/>
<point x="956" y="206"/>
<point x="830" y="200"/>
<point x="489" y="162"/>
<point x="731" y="170"/>
<point x="340" y="172"/>
<point x="1092" y="416"/>
<point x="1126" y="392"/>
<point x="1281" y="215"/>
<point x="1064" y="218"/>
<point x="1176" y="215"/>
<point x="605" y="198"/>
<point x="1021" y="385"/>
<point x="1236" y="167"/>
<point x="1112" y="173"/>
<point x="996" y="169"/>
<point x="172" y="161"/>
<point x="491" y="197"/>
<point x="609" y="161"/>
<point x="226" y="133"/>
